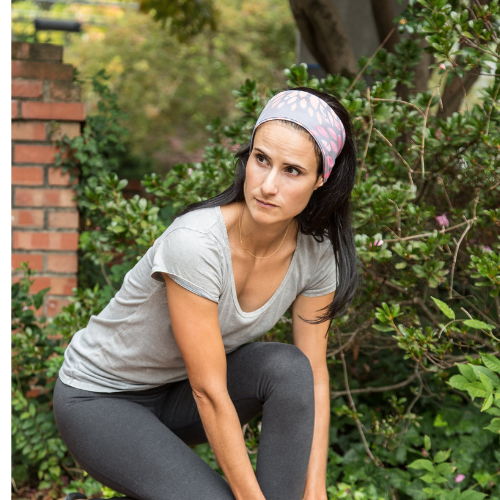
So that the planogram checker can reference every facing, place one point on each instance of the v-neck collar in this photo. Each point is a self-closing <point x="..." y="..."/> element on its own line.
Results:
<point x="233" y="284"/>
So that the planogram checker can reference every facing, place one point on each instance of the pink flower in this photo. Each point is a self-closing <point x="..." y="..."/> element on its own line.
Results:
<point x="459" y="478"/>
<point x="25" y="308"/>
<point x="438" y="134"/>
<point x="190" y="171"/>
<point x="442" y="220"/>
<point x="376" y="243"/>
<point x="442" y="66"/>
<point x="98" y="228"/>
<point x="486" y="249"/>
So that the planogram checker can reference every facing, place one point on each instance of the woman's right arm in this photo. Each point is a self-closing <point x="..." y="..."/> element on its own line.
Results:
<point x="195" y="323"/>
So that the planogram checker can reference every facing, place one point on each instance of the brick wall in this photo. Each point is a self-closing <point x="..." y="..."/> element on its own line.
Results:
<point x="44" y="214"/>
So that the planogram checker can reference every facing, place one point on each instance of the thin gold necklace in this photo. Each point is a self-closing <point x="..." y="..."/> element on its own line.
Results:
<point x="244" y="248"/>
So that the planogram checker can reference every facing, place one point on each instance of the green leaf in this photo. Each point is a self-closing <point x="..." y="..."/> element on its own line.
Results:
<point x="458" y="382"/>
<point x="493" y="411"/>
<point x="422" y="464"/>
<point x="468" y="372"/>
<point x="472" y="495"/>
<point x="491" y="362"/>
<point x="442" y="456"/>
<point x="486" y="382"/>
<point x="383" y="328"/>
<point x="439" y="421"/>
<point x="441" y="479"/>
<point x="491" y="376"/>
<point x="478" y="325"/>
<point x="487" y="402"/>
<point x="429" y="478"/>
<point x="476" y="390"/>
<point x="494" y="426"/>
<point x="121" y="184"/>
<point x="444" y="308"/>
<point x="427" y="442"/>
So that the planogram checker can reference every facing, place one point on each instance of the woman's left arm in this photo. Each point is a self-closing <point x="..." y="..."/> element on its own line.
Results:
<point x="312" y="341"/>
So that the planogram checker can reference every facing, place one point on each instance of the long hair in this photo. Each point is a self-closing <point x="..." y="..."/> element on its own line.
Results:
<point x="327" y="215"/>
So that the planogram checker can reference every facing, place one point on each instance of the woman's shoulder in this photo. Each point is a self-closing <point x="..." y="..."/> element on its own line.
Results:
<point x="195" y="232"/>
<point x="318" y="247"/>
<point x="202" y="220"/>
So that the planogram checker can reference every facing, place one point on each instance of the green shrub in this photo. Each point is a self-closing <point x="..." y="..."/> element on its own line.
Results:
<point x="414" y="359"/>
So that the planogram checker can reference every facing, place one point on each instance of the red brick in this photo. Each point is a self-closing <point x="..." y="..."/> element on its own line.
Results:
<point x="57" y="284"/>
<point x="27" y="176"/>
<point x="27" y="218"/>
<point x="65" y="91"/>
<point x="46" y="52"/>
<point x="69" y="129"/>
<point x="45" y="240"/>
<point x="29" y="153"/>
<point x="66" y="220"/>
<point x="35" y="260"/>
<point x="62" y="263"/>
<point x="27" y="88"/>
<point x="59" y="178"/>
<point x="54" y="305"/>
<point x="29" y="131"/>
<point x="26" y="197"/>
<point x="42" y="70"/>
<point x="15" y="109"/>
<point x="69" y="111"/>
<point x="20" y="50"/>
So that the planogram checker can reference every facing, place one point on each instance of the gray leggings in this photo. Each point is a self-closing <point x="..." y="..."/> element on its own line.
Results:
<point x="138" y="442"/>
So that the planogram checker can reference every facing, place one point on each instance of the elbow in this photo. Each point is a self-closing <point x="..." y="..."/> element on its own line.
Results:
<point x="208" y="395"/>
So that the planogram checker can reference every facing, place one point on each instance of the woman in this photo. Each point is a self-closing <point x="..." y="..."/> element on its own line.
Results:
<point x="160" y="370"/>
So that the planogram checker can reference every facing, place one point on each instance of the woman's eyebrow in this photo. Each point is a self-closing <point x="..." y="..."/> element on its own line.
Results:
<point x="287" y="164"/>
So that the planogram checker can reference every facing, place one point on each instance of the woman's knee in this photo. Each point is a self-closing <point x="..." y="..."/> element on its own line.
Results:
<point x="287" y="366"/>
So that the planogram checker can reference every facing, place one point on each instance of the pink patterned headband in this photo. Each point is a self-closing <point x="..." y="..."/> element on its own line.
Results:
<point x="314" y="115"/>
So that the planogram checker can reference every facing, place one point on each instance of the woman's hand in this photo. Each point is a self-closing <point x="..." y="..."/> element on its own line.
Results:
<point x="319" y="495"/>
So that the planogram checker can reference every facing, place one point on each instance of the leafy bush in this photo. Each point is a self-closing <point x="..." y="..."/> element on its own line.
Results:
<point x="414" y="360"/>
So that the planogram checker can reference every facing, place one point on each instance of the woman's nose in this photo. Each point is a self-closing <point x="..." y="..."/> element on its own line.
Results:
<point x="270" y="185"/>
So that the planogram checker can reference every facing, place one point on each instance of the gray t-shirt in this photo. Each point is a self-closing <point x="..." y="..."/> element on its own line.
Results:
<point x="130" y="344"/>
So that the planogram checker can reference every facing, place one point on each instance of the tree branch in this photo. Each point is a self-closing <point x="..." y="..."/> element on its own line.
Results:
<point x="376" y="461"/>
<point x="369" y="390"/>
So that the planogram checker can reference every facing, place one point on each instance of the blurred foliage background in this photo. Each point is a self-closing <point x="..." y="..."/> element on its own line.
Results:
<point x="170" y="88"/>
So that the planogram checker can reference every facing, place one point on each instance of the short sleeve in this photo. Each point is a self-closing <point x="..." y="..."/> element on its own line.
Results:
<point x="193" y="260"/>
<point x="324" y="280"/>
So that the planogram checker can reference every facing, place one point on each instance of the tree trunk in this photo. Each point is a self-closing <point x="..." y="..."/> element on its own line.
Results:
<point x="383" y="14"/>
<point x="454" y="93"/>
<point x="423" y="69"/>
<point x="323" y="32"/>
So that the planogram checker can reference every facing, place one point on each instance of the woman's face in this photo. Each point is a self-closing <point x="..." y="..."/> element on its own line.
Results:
<point x="281" y="173"/>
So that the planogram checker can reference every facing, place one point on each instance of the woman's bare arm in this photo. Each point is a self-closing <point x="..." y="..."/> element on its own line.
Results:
<point x="195" y="324"/>
<point x="310" y="339"/>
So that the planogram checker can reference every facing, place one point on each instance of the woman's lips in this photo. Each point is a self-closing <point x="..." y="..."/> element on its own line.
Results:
<point x="263" y="204"/>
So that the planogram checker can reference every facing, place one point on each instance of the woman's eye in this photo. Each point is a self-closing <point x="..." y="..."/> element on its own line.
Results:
<point x="260" y="158"/>
<point x="293" y="171"/>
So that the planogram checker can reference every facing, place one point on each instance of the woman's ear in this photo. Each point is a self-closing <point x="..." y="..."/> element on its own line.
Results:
<point x="319" y="182"/>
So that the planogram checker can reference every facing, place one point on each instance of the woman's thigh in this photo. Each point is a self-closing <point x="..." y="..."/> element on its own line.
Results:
<point x="125" y="446"/>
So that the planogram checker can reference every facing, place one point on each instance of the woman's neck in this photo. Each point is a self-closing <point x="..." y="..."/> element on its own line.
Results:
<point x="259" y="239"/>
